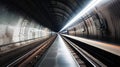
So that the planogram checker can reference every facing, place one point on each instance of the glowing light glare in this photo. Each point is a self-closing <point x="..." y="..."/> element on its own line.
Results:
<point x="81" y="13"/>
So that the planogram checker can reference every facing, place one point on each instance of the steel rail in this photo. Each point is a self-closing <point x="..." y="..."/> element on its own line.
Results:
<point x="93" y="61"/>
<point x="28" y="57"/>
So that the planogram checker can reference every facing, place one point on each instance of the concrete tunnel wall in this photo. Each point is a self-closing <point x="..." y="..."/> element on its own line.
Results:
<point x="15" y="27"/>
<point x="100" y="23"/>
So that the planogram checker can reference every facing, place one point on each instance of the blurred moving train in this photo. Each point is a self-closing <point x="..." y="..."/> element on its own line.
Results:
<point x="102" y="23"/>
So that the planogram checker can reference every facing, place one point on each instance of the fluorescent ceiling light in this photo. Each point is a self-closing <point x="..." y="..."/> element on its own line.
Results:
<point x="81" y="13"/>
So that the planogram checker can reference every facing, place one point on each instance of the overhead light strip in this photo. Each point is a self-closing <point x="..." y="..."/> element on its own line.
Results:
<point x="81" y="13"/>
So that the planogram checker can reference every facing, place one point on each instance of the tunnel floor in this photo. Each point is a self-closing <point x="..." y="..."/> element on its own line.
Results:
<point x="58" y="55"/>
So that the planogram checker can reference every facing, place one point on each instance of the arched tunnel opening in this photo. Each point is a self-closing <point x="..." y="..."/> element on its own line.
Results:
<point x="59" y="33"/>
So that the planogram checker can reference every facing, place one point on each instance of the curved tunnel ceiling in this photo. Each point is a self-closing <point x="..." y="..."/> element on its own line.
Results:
<point x="50" y="13"/>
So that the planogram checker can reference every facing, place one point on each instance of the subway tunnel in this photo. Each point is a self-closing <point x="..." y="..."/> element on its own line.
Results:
<point x="59" y="33"/>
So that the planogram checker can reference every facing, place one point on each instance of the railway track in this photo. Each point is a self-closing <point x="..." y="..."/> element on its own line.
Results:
<point x="85" y="59"/>
<point x="31" y="57"/>
<point x="108" y="55"/>
<point x="82" y="56"/>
